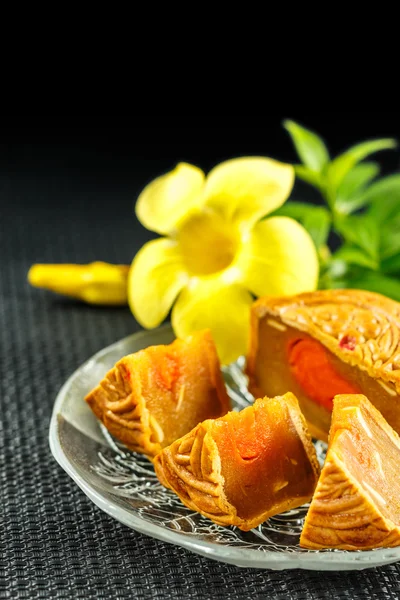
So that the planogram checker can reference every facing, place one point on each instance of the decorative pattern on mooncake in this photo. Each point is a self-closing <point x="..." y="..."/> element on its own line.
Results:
<point x="245" y="467"/>
<point x="154" y="396"/>
<point x="362" y="328"/>
<point x="358" y="331"/>
<point x="356" y="503"/>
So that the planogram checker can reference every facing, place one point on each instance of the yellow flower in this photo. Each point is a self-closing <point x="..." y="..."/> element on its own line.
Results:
<point x="95" y="283"/>
<point x="219" y="254"/>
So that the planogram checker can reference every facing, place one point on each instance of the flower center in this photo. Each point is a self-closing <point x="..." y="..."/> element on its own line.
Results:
<point x="208" y="243"/>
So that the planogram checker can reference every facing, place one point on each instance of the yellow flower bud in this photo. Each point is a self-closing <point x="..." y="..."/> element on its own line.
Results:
<point x="95" y="283"/>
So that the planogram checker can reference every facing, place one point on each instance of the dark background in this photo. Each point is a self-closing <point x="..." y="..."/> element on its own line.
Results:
<point x="67" y="192"/>
<point x="93" y="168"/>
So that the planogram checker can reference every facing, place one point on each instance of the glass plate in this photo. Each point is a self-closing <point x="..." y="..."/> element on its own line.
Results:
<point x="123" y="483"/>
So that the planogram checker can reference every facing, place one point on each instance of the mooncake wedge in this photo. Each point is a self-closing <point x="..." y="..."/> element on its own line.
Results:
<point x="356" y="505"/>
<point x="323" y="343"/>
<point x="244" y="467"/>
<point x="152" y="397"/>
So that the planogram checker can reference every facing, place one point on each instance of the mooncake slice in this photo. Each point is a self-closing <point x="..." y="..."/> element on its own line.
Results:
<point x="152" y="397"/>
<point x="356" y="505"/>
<point x="244" y="467"/>
<point x="324" y="343"/>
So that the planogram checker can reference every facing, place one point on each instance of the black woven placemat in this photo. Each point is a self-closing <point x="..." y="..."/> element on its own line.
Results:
<point x="54" y="543"/>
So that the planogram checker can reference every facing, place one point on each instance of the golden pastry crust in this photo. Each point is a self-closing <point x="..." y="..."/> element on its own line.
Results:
<point x="119" y="403"/>
<point x="369" y="321"/>
<point x="342" y="517"/>
<point x="158" y="394"/>
<point x="193" y="468"/>
<point x="346" y="511"/>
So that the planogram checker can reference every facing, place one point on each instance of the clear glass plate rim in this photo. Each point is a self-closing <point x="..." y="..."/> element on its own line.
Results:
<point x="244" y="556"/>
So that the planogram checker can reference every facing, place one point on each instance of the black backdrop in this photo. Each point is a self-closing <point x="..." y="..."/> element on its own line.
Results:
<point x="123" y="145"/>
<point x="67" y="190"/>
<point x="95" y="167"/>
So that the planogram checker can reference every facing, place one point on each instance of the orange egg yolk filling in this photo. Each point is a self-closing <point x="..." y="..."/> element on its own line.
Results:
<point x="310" y="365"/>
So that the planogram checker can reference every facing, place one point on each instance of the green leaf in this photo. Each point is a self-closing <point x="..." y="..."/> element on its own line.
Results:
<point x="391" y="266"/>
<point x="308" y="175"/>
<point x="354" y="182"/>
<point x="376" y="282"/>
<point x="337" y="268"/>
<point x="390" y="240"/>
<point x="333" y="274"/>
<point x="309" y="146"/>
<point x="294" y="209"/>
<point x="383" y="197"/>
<point x="342" y="164"/>
<point x="315" y="219"/>
<point x="364" y="149"/>
<point x="361" y="231"/>
<point x="318" y="222"/>
<point x="355" y="256"/>
<point x="337" y="284"/>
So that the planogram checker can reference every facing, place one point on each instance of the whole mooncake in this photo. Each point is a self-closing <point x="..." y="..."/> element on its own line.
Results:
<point x="152" y="397"/>
<point x="356" y="505"/>
<point x="244" y="467"/>
<point x="324" y="343"/>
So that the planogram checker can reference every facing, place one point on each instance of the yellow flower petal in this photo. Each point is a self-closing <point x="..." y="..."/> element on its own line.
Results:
<point x="165" y="200"/>
<point x="278" y="259"/>
<point x="246" y="189"/>
<point x="95" y="283"/>
<point x="209" y="303"/>
<point x="156" y="277"/>
<point x="208" y="242"/>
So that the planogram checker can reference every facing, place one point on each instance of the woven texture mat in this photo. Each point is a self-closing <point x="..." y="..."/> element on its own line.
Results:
<point x="54" y="543"/>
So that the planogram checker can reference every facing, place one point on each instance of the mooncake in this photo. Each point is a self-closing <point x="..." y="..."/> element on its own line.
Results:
<point x="356" y="505"/>
<point x="324" y="343"/>
<point x="152" y="397"/>
<point x="244" y="467"/>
